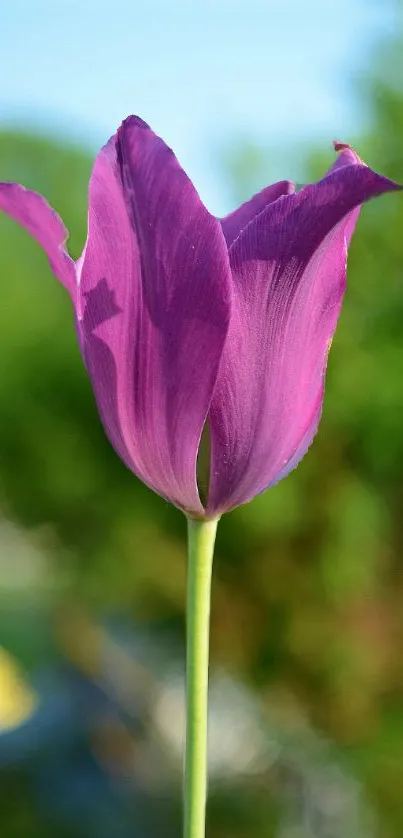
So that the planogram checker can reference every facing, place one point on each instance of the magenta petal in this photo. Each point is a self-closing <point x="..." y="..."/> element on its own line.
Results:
<point x="43" y="223"/>
<point x="289" y="272"/>
<point x="153" y="309"/>
<point x="235" y="222"/>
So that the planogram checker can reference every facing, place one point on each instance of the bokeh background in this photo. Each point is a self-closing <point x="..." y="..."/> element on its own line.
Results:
<point x="307" y="614"/>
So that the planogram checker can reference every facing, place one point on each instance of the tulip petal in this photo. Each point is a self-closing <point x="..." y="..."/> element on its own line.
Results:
<point x="153" y="309"/>
<point x="236" y="221"/>
<point x="34" y="213"/>
<point x="346" y="157"/>
<point x="289" y="273"/>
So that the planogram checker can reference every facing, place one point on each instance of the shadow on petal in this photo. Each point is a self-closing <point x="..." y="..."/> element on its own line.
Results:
<point x="101" y="306"/>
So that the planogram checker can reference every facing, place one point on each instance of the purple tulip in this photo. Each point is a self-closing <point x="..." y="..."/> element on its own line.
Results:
<point x="192" y="325"/>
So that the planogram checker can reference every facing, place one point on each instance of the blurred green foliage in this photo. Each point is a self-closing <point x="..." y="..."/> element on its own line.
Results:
<point x="308" y="590"/>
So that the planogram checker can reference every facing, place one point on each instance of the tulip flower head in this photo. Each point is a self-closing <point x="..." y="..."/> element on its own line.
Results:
<point x="205" y="339"/>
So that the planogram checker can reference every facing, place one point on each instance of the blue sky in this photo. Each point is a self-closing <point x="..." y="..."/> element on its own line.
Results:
<point x="200" y="72"/>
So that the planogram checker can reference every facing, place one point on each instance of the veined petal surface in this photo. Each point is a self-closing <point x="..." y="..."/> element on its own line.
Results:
<point x="236" y="221"/>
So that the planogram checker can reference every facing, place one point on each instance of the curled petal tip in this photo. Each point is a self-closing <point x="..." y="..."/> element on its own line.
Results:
<point x="339" y="146"/>
<point x="346" y="155"/>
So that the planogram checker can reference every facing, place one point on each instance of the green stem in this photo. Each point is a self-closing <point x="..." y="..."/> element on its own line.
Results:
<point x="201" y="538"/>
